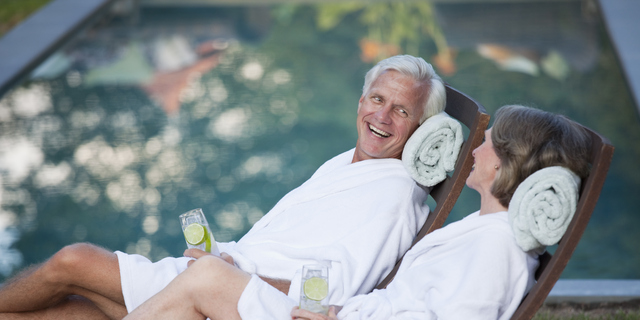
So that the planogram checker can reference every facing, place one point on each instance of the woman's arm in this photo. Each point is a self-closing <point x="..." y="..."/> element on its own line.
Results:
<point x="280" y="284"/>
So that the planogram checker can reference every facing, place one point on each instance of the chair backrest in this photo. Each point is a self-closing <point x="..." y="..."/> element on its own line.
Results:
<point x="552" y="266"/>
<point x="472" y="115"/>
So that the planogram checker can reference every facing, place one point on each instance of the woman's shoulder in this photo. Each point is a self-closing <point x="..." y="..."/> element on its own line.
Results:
<point x="492" y="229"/>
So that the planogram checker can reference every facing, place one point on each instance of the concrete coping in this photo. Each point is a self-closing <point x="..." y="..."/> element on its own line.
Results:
<point x="32" y="41"/>
<point x="596" y="290"/>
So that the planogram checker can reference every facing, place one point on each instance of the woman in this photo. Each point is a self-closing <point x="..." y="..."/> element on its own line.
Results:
<point x="471" y="269"/>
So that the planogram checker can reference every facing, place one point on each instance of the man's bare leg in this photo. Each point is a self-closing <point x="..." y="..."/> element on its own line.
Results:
<point x="80" y="269"/>
<point x="72" y="308"/>
<point x="210" y="287"/>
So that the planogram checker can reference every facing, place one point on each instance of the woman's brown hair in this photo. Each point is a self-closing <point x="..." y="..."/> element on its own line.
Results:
<point x="527" y="140"/>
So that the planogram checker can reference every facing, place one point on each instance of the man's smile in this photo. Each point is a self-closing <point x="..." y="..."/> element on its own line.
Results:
<point x="378" y="132"/>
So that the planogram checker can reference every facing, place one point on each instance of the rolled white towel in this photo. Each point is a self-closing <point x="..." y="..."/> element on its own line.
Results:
<point x="542" y="207"/>
<point x="433" y="149"/>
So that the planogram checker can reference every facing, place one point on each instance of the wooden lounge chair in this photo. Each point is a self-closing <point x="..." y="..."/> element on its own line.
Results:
<point x="552" y="266"/>
<point x="472" y="115"/>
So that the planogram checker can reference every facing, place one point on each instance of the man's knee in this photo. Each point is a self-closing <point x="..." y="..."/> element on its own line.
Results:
<point x="68" y="263"/>
<point x="210" y="268"/>
<point x="211" y="276"/>
<point x="209" y="264"/>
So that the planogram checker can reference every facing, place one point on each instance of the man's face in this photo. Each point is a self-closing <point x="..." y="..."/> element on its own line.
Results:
<point x="387" y="116"/>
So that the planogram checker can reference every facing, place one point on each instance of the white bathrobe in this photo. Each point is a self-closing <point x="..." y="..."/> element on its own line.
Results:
<point x="357" y="218"/>
<point x="471" y="269"/>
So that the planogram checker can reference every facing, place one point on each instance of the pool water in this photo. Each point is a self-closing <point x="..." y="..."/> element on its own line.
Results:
<point x="226" y="108"/>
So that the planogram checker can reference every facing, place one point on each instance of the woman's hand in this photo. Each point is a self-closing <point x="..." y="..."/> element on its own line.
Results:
<point x="197" y="253"/>
<point x="298" y="313"/>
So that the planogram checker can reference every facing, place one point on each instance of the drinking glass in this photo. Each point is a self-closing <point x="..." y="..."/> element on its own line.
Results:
<point x="314" y="289"/>
<point x="197" y="232"/>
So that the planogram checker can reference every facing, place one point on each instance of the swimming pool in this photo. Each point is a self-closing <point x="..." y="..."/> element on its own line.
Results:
<point x="149" y="114"/>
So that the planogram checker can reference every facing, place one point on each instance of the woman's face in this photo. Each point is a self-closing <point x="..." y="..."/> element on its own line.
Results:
<point x="484" y="169"/>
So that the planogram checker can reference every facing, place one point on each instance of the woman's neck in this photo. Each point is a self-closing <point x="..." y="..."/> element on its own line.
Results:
<point x="490" y="204"/>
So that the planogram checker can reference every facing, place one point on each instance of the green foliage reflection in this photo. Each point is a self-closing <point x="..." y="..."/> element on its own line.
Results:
<point x="392" y="28"/>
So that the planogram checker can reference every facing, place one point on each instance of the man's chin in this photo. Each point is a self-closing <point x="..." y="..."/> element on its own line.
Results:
<point x="380" y="155"/>
<point x="376" y="151"/>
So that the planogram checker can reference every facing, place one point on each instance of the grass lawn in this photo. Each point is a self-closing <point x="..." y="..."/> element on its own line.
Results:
<point x="629" y="310"/>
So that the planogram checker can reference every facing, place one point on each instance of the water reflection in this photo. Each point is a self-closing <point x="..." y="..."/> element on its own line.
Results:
<point x="532" y="38"/>
<point x="229" y="108"/>
<point x="121" y="168"/>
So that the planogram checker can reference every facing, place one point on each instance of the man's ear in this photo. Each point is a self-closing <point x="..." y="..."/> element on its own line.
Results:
<point x="360" y="102"/>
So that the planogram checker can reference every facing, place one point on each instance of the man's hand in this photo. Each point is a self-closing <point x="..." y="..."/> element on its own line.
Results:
<point x="298" y="313"/>
<point x="197" y="253"/>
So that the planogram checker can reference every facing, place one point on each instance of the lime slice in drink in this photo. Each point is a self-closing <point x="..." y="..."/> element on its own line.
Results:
<point x="207" y="240"/>
<point x="316" y="288"/>
<point x="195" y="234"/>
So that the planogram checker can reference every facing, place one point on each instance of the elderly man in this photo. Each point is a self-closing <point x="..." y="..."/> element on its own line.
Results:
<point x="358" y="214"/>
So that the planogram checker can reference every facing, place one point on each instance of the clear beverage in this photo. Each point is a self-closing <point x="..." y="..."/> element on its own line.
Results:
<point x="196" y="231"/>
<point x="314" y="289"/>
